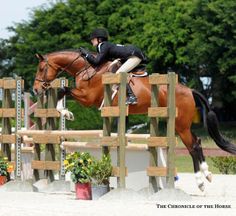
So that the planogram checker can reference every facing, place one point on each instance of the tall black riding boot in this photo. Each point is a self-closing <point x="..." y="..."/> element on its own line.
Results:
<point x="132" y="99"/>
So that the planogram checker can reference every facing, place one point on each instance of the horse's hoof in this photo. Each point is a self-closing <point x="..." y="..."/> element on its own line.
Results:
<point x="201" y="187"/>
<point x="209" y="177"/>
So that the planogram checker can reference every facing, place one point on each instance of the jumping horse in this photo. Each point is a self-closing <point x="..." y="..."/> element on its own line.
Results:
<point x="89" y="92"/>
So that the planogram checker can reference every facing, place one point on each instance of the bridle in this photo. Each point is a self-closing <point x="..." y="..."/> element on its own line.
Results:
<point x="47" y="83"/>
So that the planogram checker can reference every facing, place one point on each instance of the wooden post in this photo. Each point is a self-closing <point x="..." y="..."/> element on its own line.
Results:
<point x="171" y="130"/>
<point x="39" y="126"/>
<point x="50" y="125"/>
<point x="107" y="121"/>
<point x="121" y="131"/>
<point x="6" y="121"/>
<point x="154" y="132"/>
<point x="26" y="110"/>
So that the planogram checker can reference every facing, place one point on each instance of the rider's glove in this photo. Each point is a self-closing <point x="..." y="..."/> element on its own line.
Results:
<point x="83" y="52"/>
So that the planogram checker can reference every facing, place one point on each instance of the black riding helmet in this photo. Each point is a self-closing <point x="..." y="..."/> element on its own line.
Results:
<point x="99" y="33"/>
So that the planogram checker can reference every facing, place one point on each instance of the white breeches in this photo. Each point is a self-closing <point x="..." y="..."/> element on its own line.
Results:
<point x="130" y="64"/>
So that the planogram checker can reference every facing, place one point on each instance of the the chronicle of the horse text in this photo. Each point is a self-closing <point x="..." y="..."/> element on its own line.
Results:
<point x="207" y="206"/>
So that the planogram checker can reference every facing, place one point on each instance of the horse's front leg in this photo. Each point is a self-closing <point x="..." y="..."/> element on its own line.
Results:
<point x="60" y="105"/>
<point x="62" y="92"/>
<point x="80" y="95"/>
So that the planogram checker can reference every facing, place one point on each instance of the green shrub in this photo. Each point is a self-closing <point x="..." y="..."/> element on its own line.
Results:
<point x="85" y="118"/>
<point x="90" y="118"/>
<point x="79" y="164"/>
<point x="137" y="119"/>
<point x="226" y="165"/>
<point x="101" y="170"/>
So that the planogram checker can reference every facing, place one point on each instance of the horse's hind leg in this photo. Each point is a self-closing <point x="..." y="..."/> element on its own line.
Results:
<point x="190" y="142"/>
<point x="203" y="164"/>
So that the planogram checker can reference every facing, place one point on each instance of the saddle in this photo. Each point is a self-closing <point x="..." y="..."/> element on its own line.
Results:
<point x="139" y="71"/>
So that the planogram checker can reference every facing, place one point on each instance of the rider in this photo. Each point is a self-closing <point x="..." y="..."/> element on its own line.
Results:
<point x="129" y="55"/>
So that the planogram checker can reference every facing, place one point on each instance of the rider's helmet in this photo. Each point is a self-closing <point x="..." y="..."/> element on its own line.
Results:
<point x="99" y="33"/>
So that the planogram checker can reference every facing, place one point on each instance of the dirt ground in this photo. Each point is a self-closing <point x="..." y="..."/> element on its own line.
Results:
<point x="219" y="198"/>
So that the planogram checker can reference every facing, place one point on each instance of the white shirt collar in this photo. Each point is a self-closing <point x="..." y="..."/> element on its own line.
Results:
<point x="99" y="47"/>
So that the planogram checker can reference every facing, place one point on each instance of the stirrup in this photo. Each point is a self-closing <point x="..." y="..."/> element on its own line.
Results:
<point x="131" y="100"/>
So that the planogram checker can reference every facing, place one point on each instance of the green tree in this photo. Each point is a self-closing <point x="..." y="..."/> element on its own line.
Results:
<point x="194" y="38"/>
<point x="211" y="48"/>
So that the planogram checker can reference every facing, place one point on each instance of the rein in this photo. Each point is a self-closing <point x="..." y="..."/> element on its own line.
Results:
<point x="47" y="84"/>
<point x="67" y="66"/>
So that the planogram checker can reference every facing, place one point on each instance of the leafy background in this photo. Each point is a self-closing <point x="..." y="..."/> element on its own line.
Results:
<point x="193" y="37"/>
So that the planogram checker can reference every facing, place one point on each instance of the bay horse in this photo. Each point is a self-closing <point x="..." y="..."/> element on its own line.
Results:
<point x="89" y="92"/>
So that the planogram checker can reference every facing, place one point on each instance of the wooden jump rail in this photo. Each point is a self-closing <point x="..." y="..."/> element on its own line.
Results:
<point x="51" y="136"/>
<point x="57" y="137"/>
<point x="109" y="140"/>
<point x="155" y="142"/>
<point x="47" y="110"/>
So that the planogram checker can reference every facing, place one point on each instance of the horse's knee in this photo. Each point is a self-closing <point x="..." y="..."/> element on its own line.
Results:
<point x="62" y="92"/>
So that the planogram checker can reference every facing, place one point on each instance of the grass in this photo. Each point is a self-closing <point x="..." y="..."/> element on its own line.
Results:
<point x="185" y="164"/>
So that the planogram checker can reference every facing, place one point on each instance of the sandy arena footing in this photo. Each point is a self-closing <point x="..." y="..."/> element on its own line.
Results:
<point x="219" y="198"/>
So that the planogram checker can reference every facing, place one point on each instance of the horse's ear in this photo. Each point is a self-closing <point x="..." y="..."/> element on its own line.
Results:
<point x="39" y="56"/>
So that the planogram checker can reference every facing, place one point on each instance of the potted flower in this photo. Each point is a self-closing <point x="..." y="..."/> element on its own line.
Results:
<point x="101" y="172"/>
<point x="79" y="165"/>
<point x="5" y="169"/>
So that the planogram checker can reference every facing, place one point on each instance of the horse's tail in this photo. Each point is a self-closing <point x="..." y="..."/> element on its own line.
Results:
<point x="213" y="126"/>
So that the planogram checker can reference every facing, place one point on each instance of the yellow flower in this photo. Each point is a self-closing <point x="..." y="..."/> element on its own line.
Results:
<point x="10" y="168"/>
<point x="66" y="162"/>
<point x="81" y="161"/>
<point x="89" y="160"/>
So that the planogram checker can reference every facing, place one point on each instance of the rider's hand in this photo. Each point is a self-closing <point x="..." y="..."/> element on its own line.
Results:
<point x="83" y="51"/>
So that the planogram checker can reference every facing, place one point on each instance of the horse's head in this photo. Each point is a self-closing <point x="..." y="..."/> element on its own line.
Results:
<point x="55" y="63"/>
<point x="46" y="73"/>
